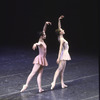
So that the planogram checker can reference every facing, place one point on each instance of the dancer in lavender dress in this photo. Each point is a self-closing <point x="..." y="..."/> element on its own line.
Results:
<point x="39" y="61"/>
<point x="63" y="56"/>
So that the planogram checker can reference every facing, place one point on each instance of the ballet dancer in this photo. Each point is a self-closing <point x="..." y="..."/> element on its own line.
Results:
<point x="63" y="55"/>
<point x="40" y="61"/>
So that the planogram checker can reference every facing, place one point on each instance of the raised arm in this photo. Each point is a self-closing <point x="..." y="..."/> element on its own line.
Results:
<point x="45" y="26"/>
<point x="59" y="21"/>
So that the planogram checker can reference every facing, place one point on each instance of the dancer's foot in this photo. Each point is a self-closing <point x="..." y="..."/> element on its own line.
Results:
<point x="52" y="85"/>
<point x="24" y="88"/>
<point x="41" y="90"/>
<point x="64" y="86"/>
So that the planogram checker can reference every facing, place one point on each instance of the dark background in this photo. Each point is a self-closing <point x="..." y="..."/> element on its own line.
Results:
<point x="24" y="18"/>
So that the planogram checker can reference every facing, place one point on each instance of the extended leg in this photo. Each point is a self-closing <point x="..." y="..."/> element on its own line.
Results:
<point x="56" y="75"/>
<point x="33" y="72"/>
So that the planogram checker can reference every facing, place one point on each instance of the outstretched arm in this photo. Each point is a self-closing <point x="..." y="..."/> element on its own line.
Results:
<point x="35" y="45"/>
<point x="59" y="21"/>
<point x="45" y="25"/>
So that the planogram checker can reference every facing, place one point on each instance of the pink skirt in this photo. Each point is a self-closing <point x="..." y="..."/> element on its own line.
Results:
<point x="41" y="60"/>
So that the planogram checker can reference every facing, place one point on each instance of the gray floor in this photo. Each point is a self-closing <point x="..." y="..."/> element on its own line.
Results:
<point x="81" y="76"/>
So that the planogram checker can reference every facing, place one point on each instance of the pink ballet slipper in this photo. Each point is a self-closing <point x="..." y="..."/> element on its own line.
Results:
<point x="24" y="88"/>
<point x="64" y="86"/>
<point x="52" y="85"/>
<point x="41" y="90"/>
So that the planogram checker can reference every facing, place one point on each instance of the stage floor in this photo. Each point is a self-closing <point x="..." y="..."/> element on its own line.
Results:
<point x="81" y="76"/>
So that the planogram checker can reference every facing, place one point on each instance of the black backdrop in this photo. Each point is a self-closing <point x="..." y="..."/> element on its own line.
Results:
<point x="24" y="18"/>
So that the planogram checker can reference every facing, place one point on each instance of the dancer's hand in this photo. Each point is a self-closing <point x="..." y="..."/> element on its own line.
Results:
<point x="48" y="23"/>
<point x="57" y="61"/>
<point x="61" y="17"/>
<point x="34" y="46"/>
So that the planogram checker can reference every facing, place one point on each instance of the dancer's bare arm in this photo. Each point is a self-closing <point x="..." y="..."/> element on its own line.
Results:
<point x="45" y="26"/>
<point x="35" y="45"/>
<point x="59" y="21"/>
<point x="44" y="30"/>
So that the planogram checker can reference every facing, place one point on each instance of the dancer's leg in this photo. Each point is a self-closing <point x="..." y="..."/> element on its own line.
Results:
<point x="59" y="69"/>
<point x="62" y="75"/>
<point x="39" y="79"/>
<point x="33" y="72"/>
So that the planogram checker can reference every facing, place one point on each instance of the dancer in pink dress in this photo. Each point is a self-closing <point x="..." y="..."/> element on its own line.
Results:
<point x="63" y="56"/>
<point x="39" y="60"/>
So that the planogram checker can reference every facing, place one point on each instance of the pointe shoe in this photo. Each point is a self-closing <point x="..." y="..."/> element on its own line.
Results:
<point x="64" y="86"/>
<point x="24" y="88"/>
<point x="52" y="86"/>
<point x="41" y="90"/>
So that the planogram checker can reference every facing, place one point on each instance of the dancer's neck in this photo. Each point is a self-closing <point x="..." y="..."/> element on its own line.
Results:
<point x="41" y="40"/>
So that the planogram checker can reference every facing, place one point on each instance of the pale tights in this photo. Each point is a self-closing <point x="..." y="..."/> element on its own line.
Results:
<point x="36" y="68"/>
<point x="60" y="70"/>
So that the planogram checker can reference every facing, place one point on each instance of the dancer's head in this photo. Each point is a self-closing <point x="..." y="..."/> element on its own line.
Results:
<point x="42" y="35"/>
<point x="60" y="31"/>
